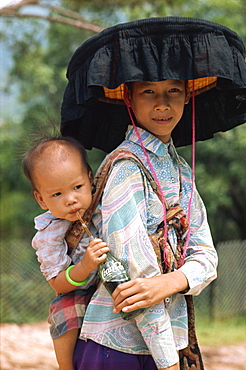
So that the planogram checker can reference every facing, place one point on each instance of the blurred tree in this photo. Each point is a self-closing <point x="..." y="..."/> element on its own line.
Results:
<point x="43" y="36"/>
<point x="220" y="179"/>
<point x="231" y="13"/>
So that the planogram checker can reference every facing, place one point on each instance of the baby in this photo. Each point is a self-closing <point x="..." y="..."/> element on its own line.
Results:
<point x="61" y="182"/>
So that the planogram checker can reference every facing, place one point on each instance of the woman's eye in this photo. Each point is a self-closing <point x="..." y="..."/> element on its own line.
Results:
<point x="77" y="187"/>
<point x="148" y="91"/>
<point x="174" y="89"/>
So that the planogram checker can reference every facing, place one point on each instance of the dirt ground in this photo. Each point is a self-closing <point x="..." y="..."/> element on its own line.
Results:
<point x="29" y="347"/>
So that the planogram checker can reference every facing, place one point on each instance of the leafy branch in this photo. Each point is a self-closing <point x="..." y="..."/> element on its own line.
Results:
<point x="56" y="14"/>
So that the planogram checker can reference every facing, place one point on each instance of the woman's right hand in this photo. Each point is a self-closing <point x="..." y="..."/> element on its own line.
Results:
<point x="145" y="292"/>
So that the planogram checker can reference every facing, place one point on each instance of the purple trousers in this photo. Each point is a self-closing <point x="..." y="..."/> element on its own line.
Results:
<point x="92" y="356"/>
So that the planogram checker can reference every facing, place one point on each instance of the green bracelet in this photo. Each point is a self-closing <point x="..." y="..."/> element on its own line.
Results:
<point x="72" y="281"/>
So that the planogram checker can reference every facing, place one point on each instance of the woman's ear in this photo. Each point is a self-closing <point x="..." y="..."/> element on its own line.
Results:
<point x="127" y="96"/>
<point x="187" y="94"/>
<point x="39" y="199"/>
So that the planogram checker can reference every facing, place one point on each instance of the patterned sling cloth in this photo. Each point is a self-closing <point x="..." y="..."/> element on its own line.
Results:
<point x="169" y="260"/>
<point x="190" y="357"/>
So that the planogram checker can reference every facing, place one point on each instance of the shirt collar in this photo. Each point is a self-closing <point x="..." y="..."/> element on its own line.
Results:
<point x="152" y="143"/>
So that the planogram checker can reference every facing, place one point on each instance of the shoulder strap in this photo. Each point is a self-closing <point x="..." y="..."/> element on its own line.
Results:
<point x="102" y="177"/>
<point x="75" y="232"/>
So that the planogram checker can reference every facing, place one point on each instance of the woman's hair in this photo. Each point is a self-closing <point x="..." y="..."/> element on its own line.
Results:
<point x="32" y="156"/>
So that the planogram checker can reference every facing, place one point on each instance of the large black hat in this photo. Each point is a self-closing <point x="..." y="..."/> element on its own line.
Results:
<point x="155" y="49"/>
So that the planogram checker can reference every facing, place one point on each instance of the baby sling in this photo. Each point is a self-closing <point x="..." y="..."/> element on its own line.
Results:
<point x="190" y="357"/>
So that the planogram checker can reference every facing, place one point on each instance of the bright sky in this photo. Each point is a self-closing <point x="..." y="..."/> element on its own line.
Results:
<point x="7" y="2"/>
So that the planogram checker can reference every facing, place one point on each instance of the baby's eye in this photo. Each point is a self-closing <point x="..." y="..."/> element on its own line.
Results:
<point x="77" y="187"/>
<point x="56" y="195"/>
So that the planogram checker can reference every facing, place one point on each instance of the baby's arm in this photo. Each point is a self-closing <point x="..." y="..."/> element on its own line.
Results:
<point x="94" y="255"/>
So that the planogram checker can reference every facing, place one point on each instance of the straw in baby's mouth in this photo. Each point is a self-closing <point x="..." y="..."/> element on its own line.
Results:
<point x="85" y="226"/>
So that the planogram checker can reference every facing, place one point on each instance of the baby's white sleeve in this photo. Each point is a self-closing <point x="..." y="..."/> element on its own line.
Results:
<point x="51" y="247"/>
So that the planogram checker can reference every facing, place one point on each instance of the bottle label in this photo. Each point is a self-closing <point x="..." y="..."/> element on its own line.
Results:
<point x="113" y="271"/>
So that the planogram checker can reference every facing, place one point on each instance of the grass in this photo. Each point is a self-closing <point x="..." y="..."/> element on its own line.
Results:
<point x="229" y="331"/>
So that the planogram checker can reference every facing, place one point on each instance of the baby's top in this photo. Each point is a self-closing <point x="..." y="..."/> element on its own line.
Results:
<point x="51" y="247"/>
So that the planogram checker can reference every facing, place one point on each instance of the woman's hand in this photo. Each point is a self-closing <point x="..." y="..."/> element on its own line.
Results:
<point x="145" y="292"/>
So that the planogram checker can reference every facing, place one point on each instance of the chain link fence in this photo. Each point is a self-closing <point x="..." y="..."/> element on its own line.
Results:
<point x="25" y="295"/>
<point x="226" y="296"/>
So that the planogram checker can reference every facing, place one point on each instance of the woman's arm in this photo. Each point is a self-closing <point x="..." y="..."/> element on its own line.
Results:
<point x="198" y="271"/>
<point x="145" y="292"/>
<point x="200" y="267"/>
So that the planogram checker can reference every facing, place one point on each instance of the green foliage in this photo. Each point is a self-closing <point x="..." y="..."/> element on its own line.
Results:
<point x="231" y="13"/>
<point x="220" y="179"/>
<point x="229" y="331"/>
<point x="16" y="199"/>
<point x="41" y="52"/>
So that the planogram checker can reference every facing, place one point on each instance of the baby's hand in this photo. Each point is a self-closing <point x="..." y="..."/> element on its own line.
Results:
<point x="95" y="254"/>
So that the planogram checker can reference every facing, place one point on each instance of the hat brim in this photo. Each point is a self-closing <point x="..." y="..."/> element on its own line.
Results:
<point x="151" y="50"/>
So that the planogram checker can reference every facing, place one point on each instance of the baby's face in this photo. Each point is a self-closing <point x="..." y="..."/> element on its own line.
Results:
<point x="65" y="188"/>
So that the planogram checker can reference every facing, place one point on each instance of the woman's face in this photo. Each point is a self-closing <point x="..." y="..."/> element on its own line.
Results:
<point x="158" y="106"/>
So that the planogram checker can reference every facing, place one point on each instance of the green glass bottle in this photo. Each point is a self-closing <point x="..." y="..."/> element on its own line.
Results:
<point x="113" y="273"/>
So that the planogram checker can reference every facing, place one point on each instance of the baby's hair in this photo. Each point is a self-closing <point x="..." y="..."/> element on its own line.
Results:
<point x="35" y="152"/>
